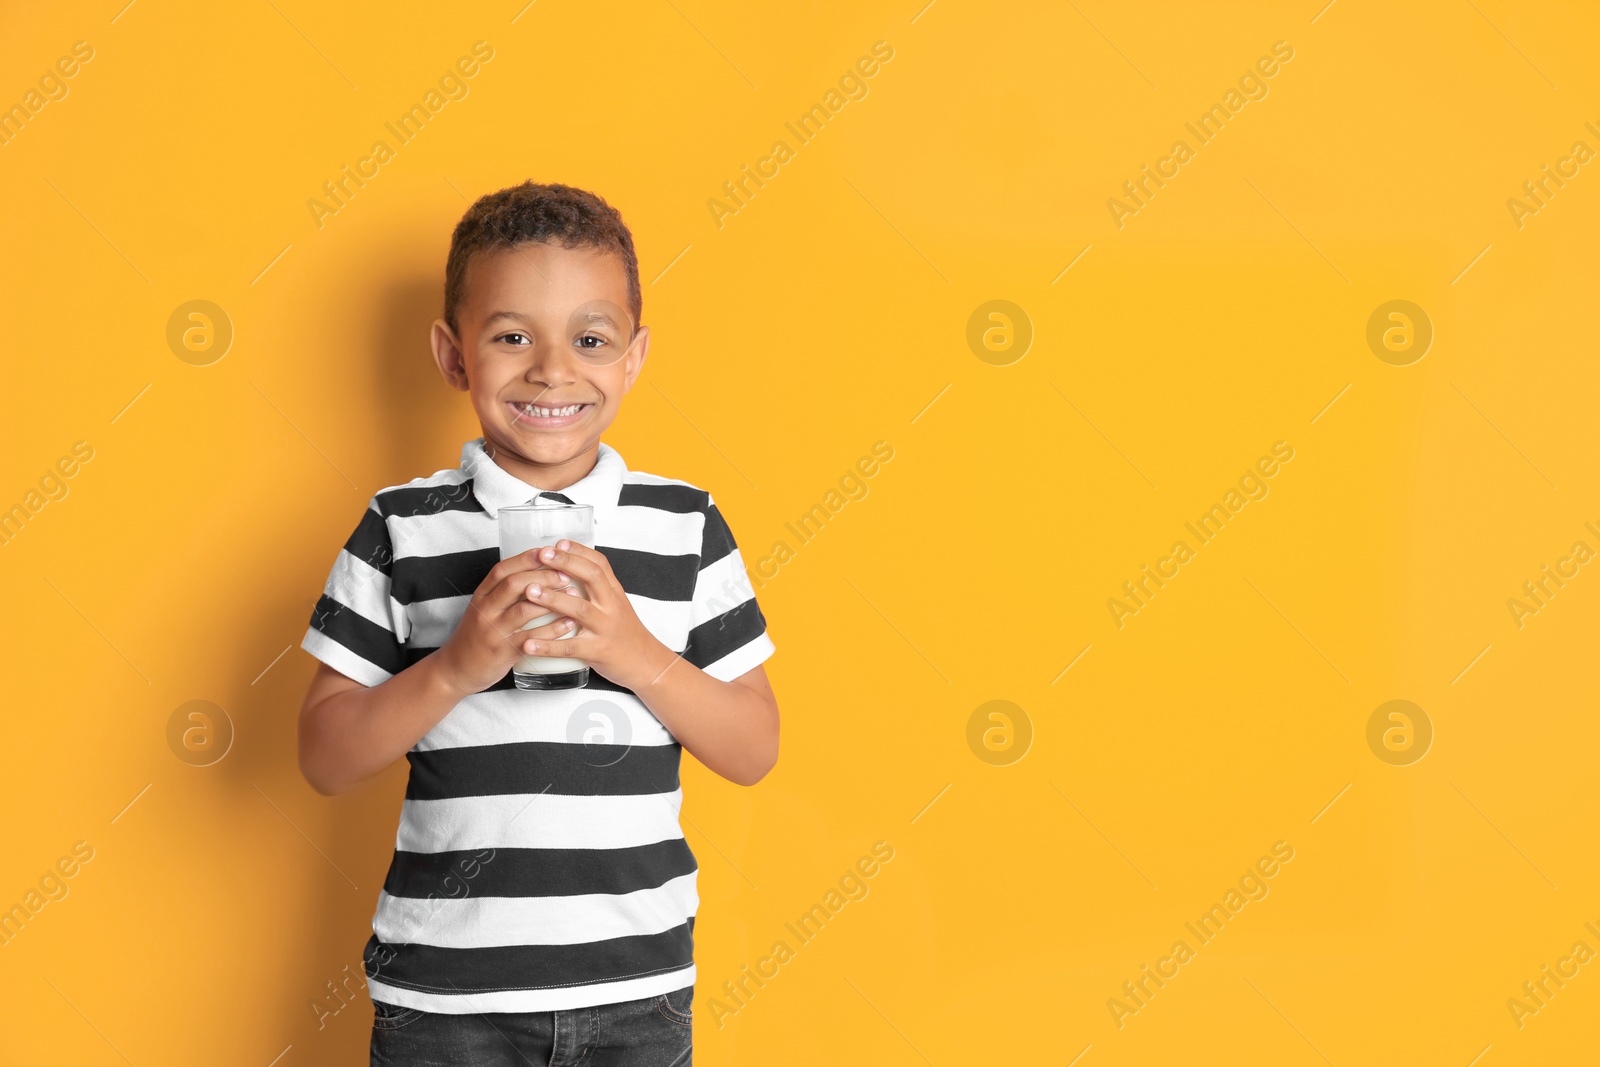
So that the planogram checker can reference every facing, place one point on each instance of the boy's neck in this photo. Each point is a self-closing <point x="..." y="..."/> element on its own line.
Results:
<point x="545" y="476"/>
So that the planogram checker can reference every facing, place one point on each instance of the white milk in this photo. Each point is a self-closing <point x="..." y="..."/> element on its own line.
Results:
<point x="548" y="664"/>
<point x="525" y="528"/>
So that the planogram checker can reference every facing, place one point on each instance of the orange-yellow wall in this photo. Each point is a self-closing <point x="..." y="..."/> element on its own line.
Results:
<point x="790" y="336"/>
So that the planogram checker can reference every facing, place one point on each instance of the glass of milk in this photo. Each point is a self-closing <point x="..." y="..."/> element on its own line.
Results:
<point x="535" y="525"/>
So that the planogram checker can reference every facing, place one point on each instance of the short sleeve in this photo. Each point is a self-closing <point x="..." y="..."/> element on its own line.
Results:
<point x="727" y="632"/>
<point x="357" y="628"/>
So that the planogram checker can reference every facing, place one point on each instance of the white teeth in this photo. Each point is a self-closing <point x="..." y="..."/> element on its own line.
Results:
<point x="545" y="413"/>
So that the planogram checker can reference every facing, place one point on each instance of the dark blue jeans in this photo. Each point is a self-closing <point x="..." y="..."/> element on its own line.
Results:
<point x="653" y="1032"/>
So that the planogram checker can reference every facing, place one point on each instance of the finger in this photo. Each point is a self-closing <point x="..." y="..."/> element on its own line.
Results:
<point x="522" y="561"/>
<point x="514" y="587"/>
<point x="582" y="562"/>
<point x="564" y="602"/>
<point x="582" y="551"/>
<point x="557" y="627"/>
<point x="568" y="648"/>
<point x="524" y="611"/>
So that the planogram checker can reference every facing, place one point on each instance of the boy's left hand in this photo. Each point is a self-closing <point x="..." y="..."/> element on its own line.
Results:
<point x="610" y="637"/>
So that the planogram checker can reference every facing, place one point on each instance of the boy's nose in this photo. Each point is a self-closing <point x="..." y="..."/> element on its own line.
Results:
<point x="550" y="365"/>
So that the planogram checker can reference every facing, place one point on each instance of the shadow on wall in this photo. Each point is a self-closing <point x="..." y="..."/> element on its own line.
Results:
<point x="426" y="419"/>
<point x="421" y="423"/>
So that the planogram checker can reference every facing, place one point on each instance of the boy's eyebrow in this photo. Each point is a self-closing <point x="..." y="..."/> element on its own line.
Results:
<point x="515" y="316"/>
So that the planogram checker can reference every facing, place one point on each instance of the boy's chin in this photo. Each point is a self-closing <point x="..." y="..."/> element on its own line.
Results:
<point x="542" y="446"/>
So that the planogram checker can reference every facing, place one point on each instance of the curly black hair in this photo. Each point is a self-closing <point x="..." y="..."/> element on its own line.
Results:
<point x="533" y="212"/>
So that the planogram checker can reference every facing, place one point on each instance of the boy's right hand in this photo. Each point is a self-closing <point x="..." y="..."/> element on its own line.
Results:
<point x="486" y="641"/>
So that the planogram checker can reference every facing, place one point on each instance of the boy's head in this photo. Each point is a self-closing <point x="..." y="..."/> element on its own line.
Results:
<point x="541" y="315"/>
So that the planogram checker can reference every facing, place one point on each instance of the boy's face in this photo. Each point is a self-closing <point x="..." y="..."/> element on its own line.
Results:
<point x="543" y="329"/>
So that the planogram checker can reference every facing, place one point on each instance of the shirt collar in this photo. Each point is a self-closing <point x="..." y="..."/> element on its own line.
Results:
<point x="497" y="488"/>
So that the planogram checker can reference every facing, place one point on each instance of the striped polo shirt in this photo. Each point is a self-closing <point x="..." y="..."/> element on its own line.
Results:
<point x="539" y="864"/>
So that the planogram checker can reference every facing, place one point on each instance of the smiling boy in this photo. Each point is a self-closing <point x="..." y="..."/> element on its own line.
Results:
<point x="540" y="904"/>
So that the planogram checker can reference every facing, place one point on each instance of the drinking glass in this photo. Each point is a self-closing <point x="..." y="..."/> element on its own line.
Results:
<point x="535" y="525"/>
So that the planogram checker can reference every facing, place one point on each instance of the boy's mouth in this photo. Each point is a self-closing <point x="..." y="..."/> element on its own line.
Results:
<point x="541" y="415"/>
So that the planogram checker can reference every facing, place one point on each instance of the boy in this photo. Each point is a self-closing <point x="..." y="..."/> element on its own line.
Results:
<point x="541" y="900"/>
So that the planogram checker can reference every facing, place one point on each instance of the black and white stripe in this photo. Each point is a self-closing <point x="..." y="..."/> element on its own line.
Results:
<point x="536" y="866"/>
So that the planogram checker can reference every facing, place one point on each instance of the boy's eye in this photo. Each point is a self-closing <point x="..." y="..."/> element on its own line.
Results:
<point x="513" y="338"/>
<point x="598" y="341"/>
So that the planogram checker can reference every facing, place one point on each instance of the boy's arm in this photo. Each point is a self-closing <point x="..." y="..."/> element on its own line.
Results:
<point x="731" y="727"/>
<point x="349" y="731"/>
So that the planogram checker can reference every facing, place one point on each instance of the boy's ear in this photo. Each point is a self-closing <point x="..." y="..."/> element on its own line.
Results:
<point x="448" y="355"/>
<point x="633" y="360"/>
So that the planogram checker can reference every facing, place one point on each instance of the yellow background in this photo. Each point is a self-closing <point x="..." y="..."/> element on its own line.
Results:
<point x="824" y="316"/>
